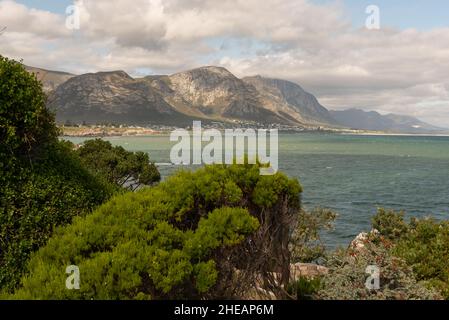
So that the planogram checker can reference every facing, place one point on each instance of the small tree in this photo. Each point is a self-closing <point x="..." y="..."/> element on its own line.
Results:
<point x="42" y="182"/>
<point x="306" y="243"/>
<point x="123" y="168"/>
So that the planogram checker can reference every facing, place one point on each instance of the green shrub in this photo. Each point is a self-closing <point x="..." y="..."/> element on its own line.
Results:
<point x="49" y="194"/>
<point x="347" y="276"/>
<point x="422" y="244"/>
<point x="305" y="288"/>
<point x="42" y="182"/>
<point x="390" y="224"/>
<point x="426" y="249"/>
<point x="306" y="244"/>
<point x="123" y="168"/>
<point x="185" y="238"/>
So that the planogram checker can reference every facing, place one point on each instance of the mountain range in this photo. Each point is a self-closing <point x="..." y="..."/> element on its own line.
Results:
<point x="372" y="120"/>
<point x="207" y="93"/>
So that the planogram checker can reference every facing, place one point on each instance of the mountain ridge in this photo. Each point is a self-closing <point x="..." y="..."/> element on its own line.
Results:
<point x="208" y="93"/>
<point x="372" y="120"/>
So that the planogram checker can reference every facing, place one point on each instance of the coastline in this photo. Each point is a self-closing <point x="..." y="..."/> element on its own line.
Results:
<point x="135" y="131"/>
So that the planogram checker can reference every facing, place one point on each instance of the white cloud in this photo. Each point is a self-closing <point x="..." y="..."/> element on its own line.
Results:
<point x="19" y="18"/>
<point x="388" y="70"/>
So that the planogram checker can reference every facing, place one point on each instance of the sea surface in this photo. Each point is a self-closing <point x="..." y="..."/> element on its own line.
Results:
<point x="351" y="174"/>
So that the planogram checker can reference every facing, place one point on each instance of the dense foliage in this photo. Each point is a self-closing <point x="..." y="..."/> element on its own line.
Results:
<point x="42" y="182"/>
<point x="411" y="256"/>
<point x="26" y="125"/>
<point x="209" y="234"/>
<point x="121" y="167"/>
<point x="348" y="275"/>
<point x="422" y="243"/>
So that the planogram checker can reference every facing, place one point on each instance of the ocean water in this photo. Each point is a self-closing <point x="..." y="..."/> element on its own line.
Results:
<point x="351" y="174"/>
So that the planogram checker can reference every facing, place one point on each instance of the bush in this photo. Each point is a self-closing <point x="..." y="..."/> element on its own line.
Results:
<point x="120" y="167"/>
<point x="305" y="288"/>
<point x="426" y="249"/>
<point x="207" y="234"/>
<point x="347" y="276"/>
<point x="49" y="194"/>
<point x="306" y="244"/>
<point x="422" y="244"/>
<point x="42" y="182"/>
<point x="390" y="224"/>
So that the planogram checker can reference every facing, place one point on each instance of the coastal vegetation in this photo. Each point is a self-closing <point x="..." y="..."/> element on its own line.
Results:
<point x="122" y="168"/>
<point x="43" y="184"/>
<point x="422" y="243"/>
<point x="185" y="238"/>
<point x="221" y="232"/>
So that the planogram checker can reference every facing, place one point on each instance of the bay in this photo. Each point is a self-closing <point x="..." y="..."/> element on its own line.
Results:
<point x="351" y="174"/>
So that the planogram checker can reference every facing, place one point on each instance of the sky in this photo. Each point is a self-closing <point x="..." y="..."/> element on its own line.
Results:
<point x="401" y="66"/>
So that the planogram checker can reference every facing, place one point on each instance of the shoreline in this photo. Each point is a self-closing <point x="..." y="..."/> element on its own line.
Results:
<point x="144" y="132"/>
<point x="102" y="131"/>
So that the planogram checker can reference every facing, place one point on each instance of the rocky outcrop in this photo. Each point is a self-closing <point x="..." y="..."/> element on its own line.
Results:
<point x="288" y="97"/>
<point x="214" y="92"/>
<point x="111" y="97"/>
<point x="50" y="79"/>
<point x="362" y="239"/>
<point x="307" y="270"/>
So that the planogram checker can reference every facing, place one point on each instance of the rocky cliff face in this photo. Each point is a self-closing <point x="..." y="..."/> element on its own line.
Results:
<point x="215" y="93"/>
<point x="111" y="97"/>
<point x="50" y="79"/>
<point x="209" y="93"/>
<point x="290" y="98"/>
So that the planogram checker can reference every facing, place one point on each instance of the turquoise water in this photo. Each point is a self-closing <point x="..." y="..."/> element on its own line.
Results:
<point x="350" y="174"/>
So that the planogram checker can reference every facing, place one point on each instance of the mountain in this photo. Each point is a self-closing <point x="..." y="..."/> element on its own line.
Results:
<point x="111" y="97"/>
<point x="371" y="120"/>
<point x="205" y="93"/>
<point x="288" y="97"/>
<point x="50" y="79"/>
<point x="215" y="93"/>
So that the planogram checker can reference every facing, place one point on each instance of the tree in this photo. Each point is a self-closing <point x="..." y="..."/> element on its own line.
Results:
<point x="213" y="233"/>
<point x="42" y="181"/>
<point x="123" y="168"/>
<point x="26" y="125"/>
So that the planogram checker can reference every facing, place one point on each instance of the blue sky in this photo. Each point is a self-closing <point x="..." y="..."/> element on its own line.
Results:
<point x="403" y="14"/>
<point x="421" y="14"/>
<point x="57" y="6"/>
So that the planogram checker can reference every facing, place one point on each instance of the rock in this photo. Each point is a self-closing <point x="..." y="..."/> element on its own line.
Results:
<point x="308" y="270"/>
<point x="362" y="238"/>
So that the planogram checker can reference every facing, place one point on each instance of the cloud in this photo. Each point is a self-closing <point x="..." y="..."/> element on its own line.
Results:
<point x="313" y="44"/>
<point x="18" y="18"/>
